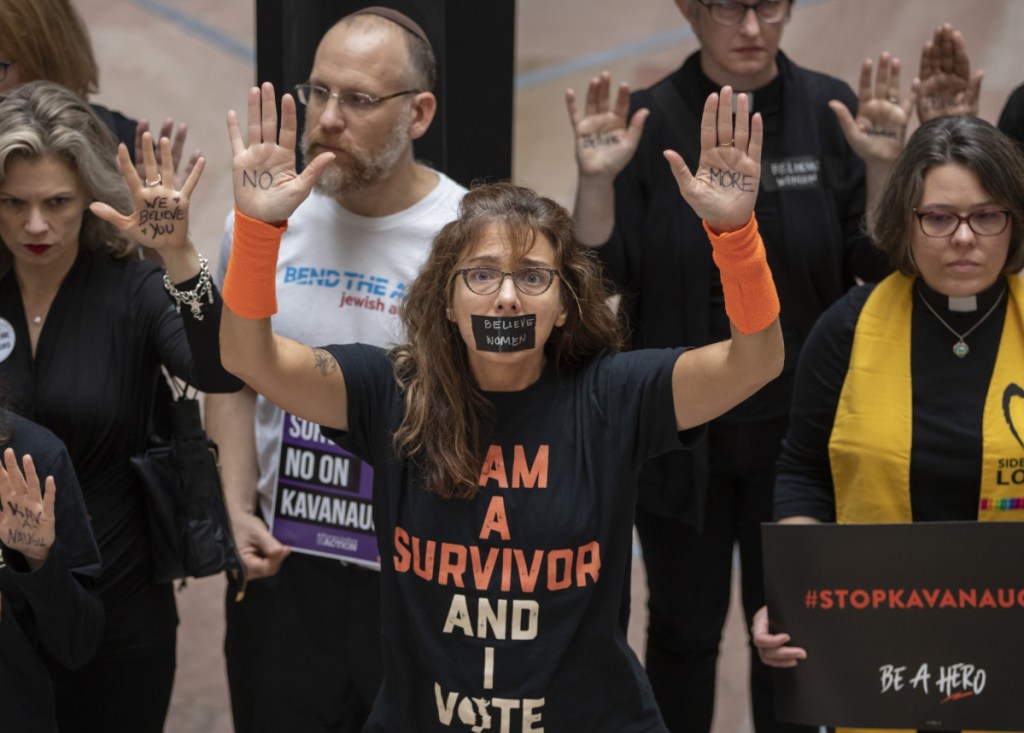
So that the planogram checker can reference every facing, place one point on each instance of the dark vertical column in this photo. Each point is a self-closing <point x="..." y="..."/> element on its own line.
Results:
<point x="479" y="41"/>
<point x="474" y="41"/>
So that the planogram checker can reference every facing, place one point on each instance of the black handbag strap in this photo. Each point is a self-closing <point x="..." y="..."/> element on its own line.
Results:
<point x="174" y="411"/>
<point x="183" y="410"/>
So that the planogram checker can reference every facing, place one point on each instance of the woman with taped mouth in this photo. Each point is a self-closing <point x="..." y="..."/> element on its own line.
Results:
<point x="506" y="432"/>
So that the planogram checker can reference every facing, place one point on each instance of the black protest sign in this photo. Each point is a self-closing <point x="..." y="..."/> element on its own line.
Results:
<point x="905" y="625"/>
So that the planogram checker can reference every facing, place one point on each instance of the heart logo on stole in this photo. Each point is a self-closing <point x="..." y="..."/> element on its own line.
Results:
<point x="1014" y="411"/>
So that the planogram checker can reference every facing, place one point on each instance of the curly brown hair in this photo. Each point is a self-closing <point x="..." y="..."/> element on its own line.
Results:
<point x="446" y="414"/>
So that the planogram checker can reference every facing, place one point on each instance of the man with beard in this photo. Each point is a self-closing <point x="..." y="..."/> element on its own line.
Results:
<point x="303" y="646"/>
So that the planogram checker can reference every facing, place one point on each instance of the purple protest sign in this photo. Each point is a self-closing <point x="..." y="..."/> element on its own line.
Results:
<point x="323" y="503"/>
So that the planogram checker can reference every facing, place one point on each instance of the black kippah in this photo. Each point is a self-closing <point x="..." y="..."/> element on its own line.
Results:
<point x="396" y="17"/>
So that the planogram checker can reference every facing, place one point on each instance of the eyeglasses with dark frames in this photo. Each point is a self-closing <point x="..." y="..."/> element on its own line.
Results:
<point x="313" y="95"/>
<point x="731" y="12"/>
<point x="4" y="66"/>
<point x="528" y="281"/>
<point x="985" y="223"/>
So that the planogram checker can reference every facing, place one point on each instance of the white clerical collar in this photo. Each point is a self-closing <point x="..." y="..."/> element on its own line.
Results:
<point x="963" y="305"/>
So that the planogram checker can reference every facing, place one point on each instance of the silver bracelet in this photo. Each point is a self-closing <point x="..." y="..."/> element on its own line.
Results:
<point x="193" y="298"/>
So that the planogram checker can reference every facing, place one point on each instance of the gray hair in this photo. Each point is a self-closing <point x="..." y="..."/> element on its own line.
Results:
<point x="41" y="119"/>
<point x="995" y="159"/>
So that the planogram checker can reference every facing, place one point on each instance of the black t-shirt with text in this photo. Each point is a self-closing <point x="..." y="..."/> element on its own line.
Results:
<point x="502" y="612"/>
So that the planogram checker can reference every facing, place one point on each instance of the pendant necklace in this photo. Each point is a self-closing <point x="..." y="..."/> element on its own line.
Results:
<point x="37" y="320"/>
<point x="960" y="348"/>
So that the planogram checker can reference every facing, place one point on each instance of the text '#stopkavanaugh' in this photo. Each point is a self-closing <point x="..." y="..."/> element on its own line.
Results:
<point x="859" y="599"/>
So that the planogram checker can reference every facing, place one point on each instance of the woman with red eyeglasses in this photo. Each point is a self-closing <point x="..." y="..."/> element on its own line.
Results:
<point x="900" y="404"/>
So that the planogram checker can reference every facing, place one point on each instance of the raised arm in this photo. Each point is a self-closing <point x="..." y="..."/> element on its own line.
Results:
<point x="159" y="222"/>
<point x="159" y="216"/>
<point x="67" y="616"/>
<point x="176" y="134"/>
<point x="27" y="523"/>
<point x="879" y="130"/>
<point x="302" y="380"/>
<point x="710" y="380"/>
<point x="945" y="85"/>
<point x="606" y="139"/>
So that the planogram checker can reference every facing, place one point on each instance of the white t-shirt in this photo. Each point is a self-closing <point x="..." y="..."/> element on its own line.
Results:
<point x="340" y="279"/>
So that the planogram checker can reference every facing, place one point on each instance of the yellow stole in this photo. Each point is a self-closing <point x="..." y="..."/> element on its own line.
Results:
<point x="869" y="448"/>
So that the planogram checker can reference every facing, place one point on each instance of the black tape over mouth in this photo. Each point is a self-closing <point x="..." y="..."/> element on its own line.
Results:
<point x="504" y="333"/>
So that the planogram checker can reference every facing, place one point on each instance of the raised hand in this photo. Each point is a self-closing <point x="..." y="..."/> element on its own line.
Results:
<point x="27" y="521"/>
<point x="724" y="189"/>
<point x="267" y="186"/>
<point x="605" y="139"/>
<point x="945" y="84"/>
<point x="880" y="128"/>
<point x="177" y="137"/>
<point x="159" y="217"/>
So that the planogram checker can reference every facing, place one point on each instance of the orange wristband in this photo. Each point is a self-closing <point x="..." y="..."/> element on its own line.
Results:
<point x="250" y="290"/>
<point x="751" y="301"/>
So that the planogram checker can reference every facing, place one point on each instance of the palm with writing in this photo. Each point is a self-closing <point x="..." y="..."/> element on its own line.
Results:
<point x="606" y="138"/>
<point x="27" y="521"/>
<point x="945" y="84"/>
<point x="159" y="217"/>
<point x="266" y="184"/>
<point x="724" y="189"/>
<point x="878" y="131"/>
<point x="176" y="134"/>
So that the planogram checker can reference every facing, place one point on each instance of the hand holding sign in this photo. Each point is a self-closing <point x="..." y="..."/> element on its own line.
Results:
<point x="772" y="647"/>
